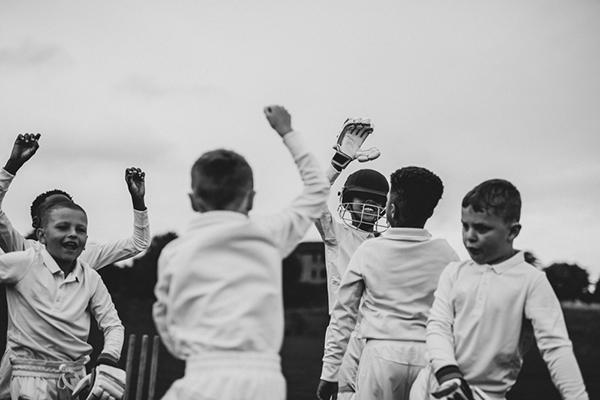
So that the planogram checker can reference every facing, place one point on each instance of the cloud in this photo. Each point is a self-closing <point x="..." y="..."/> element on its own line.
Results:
<point x="31" y="54"/>
<point x="147" y="87"/>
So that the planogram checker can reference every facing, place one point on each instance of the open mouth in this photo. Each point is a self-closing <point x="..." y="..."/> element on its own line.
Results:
<point x="71" y="245"/>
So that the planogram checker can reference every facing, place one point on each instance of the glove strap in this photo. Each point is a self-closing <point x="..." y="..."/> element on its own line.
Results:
<point x="340" y="161"/>
<point x="448" y="372"/>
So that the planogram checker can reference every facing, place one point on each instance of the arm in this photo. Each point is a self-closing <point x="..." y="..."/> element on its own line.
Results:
<point x="103" y="310"/>
<point x="101" y="255"/>
<point x="24" y="148"/>
<point x="343" y="319"/>
<point x="439" y="335"/>
<point x="347" y="148"/>
<point x="543" y="309"/>
<point x="288" y="227"/>
<point x="160" y="308"/>
<point x="15" y="265"/>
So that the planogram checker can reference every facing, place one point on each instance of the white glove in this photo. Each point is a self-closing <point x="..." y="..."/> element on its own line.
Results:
<point x="454" y="389"/>
<point x="348" y="145"/>
<point x="105" y="382"/>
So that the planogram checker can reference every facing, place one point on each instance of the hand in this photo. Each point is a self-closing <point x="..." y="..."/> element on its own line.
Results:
<point x="454" y="389"/>
<point x="348" y="145"/>
<point x="23" y="149"/>
<point x="279" y="119"/>
<point x="327" y="390"/>
<point x="136" y="179"/>
<point x="105" y="382"/>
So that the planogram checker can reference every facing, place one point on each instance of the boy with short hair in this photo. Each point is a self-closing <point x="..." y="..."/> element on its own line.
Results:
<point x="95" y="255"/>
<point x="389" y="285"/>
<point x="219" y="302"/>
<point x="361" y="205"/>
<point x="51" y="295"/>
<point x="475" y="325"/>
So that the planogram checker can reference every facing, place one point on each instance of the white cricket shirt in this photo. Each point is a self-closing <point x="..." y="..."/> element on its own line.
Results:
<point x="476" y="322"/>
<point x="340" y="241"/>
<point x="49" y="313"/>
<point x="219" y="283"/>
<point x="392" y="278"/>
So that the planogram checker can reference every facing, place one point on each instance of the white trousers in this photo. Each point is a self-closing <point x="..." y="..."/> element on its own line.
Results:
<point x="388" y="369"/>
<point x="230" y="376"/>
<point x="44" y="380"/>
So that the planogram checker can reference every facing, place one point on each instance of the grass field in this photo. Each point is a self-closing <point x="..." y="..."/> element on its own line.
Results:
<point x="303" y="347"/>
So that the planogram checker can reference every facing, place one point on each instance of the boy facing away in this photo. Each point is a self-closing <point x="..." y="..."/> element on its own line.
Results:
<point x="51" y="296"/>
<point x="219" y="302"/>
<point x="389" y="286"/>
<point x="476" y="321"/>
<point x="362" y="205"/>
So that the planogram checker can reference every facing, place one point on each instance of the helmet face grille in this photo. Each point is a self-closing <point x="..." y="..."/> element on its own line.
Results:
<point x="361" y="215"/>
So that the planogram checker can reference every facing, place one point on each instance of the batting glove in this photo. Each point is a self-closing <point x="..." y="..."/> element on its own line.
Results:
<point x="348" y="145"/>
<point x="105" y="382"/>
<point x="454" y="389"/>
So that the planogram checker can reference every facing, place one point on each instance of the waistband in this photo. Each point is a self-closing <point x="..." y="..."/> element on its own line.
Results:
<point x="233" y="359"/>
<point x="66" y="372"/>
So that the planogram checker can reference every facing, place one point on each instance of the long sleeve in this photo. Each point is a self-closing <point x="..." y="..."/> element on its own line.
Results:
<point x="343" y="319"/>
<point x="543" y="309"/>
<point x="324" y="223"/>
<point x="15" y="265"/>
<point x="103" y="310"/>
<point x="160" y="307"/>
<point x="439" y="336"/>
<point x="100" y="255"/>
<point x="288" y="227"/>
<point x="10" y="238"/>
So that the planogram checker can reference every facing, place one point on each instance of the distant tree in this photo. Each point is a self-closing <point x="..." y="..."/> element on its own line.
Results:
<point x="569" y="281"/>
<point x="144" y="268"/>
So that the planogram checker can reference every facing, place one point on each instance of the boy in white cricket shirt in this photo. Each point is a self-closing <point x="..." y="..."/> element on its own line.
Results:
<point x="51" y="296"/>
<point x="95" y="255"/>
<point x="362" y="205"/>
<point x="389" y="285"/>
<point x="475" y="324"/>
<point x="219" y="302"/>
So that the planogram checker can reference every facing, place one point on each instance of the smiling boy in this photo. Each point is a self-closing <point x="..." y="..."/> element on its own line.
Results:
<point x="51" y="296"/>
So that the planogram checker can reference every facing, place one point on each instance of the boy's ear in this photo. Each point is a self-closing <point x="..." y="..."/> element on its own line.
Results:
<point x="250" y="200"/>
<point x="196" y="203"/>
<point x="41" y="235"/>
<point x="514" y="231"/>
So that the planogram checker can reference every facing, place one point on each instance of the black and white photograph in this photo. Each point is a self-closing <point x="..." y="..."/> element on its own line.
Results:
<point x="277" y="200"/>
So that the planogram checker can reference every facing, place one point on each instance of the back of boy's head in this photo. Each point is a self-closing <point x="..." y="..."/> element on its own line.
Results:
<point x="415" y="192"/>
<point x="38" y="202"/>
<point x="221" y="178"/>
<point x="47" y="209"/>
<point x="495" y="196"/>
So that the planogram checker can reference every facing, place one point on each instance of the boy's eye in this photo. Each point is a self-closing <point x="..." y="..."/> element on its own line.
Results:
<point x="81" y="230"/>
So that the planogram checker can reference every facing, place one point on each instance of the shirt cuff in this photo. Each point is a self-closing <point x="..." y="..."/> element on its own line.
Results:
<point x="329" y="372"/>
<point x="140" y="218"/>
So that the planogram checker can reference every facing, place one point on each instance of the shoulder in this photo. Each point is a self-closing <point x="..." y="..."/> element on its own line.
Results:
<point x="444" y="248"/>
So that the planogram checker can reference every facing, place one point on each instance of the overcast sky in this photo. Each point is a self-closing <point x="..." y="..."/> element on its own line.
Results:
<point x="470" y="90"/>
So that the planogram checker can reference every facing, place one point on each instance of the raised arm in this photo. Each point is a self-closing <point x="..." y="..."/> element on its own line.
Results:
<point x="101" y="255"/>
<point x="543" y="309"/>
<point x="348" y="148"/>
<point x="24" y="148"/>
<point x="288" y="227"/>
<point x="341" y="324"/>
<point x="15" y="265"/>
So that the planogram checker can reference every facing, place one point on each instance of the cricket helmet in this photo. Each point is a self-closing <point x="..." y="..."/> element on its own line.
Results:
<point x="372" y="189"/>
